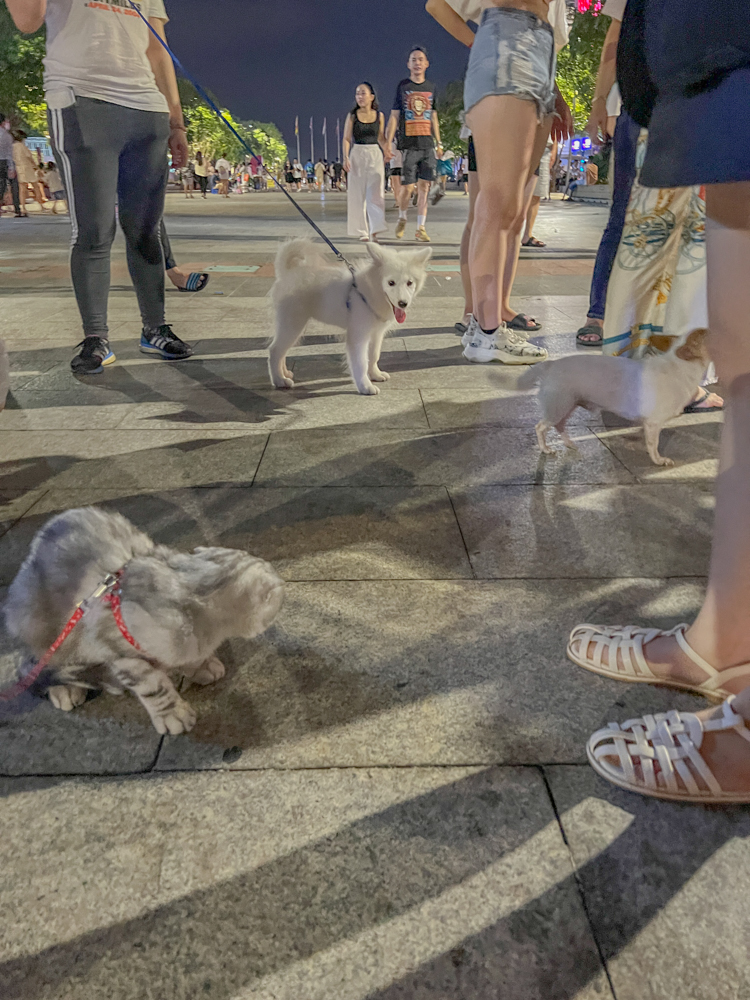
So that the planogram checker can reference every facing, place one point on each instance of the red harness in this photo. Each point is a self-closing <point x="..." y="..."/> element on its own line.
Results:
<point x="109" y="592"/>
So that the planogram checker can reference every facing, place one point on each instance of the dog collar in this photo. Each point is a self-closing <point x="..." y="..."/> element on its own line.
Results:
<point x="109" y="592"/>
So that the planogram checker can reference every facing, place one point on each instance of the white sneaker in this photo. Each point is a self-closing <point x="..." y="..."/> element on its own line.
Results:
<point x="504" y="346"/>
<point x="480" y="346"/>
<point x="516" y="350"/>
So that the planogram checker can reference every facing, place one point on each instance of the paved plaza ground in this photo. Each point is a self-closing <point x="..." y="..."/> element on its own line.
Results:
<point x="386" y="798"/>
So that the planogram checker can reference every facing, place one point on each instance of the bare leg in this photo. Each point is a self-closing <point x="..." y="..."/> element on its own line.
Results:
<point x="531" y="215"/>
<point x="504" y="129"/>
<point x="423" y="195"/>
<point x="396" y="188"/>
<point x="156" y="692"/>
<point x="721" y="633"/>
<point x="514" y="243"/>
<point x="465" y="240"/>
<point x="405" y="194"/>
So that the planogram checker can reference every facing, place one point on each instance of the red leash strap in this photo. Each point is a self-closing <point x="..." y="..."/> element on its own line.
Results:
<point x="10" y="693"/>
<point x="109" y="591"/>
<point x="113" y="600"/>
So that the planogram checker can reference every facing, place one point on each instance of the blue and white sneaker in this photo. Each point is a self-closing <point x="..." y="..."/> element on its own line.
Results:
<point x="95" y="354"/>
<point x="165" y="343"/>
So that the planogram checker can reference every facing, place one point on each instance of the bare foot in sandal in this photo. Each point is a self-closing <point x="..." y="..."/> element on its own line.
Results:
<point x="192" y="282"/>
<point x="591" y="333"/>
<point x="683" y="756"/>
<point x="640" y="655"/>
<point x="704" y="402"/>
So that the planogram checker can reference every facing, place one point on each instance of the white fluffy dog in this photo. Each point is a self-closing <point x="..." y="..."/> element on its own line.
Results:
<point x="649" y="391"/>
<point x="309" y="285"/>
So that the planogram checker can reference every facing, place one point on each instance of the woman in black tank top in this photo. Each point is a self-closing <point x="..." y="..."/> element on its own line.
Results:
<point x="364" y="146"/>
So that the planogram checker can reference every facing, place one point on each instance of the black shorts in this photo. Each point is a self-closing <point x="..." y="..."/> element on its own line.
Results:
<point x="395" y="171"/>
<point x="472" y="156"/>
<point x="419" y="164"/>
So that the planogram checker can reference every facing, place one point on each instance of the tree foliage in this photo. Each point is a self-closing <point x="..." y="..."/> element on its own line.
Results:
<point x="450" y="106"/>
<point x="21" y="85"/>
<point x="578" y="63"/>
<point x="22" y="97"/>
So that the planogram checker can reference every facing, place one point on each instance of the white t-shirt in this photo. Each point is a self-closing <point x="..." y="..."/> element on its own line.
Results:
<point x="615" y="9"/>
<point x="97" y="49"/>
<point x="223" y="168"/>
<point x="472" y="10"/>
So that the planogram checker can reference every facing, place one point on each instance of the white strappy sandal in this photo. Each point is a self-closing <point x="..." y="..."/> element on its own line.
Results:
<point x="657" y="749"/>
<point x="588" y="643"/>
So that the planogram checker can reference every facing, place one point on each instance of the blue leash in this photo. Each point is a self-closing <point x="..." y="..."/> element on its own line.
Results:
<point x="236" y="134"/>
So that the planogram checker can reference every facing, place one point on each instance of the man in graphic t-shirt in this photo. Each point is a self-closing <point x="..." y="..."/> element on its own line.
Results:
<point x="414" y="116"/>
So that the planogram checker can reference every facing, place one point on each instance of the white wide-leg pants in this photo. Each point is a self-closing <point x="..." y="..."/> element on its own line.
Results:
<point x="364" y="191"/>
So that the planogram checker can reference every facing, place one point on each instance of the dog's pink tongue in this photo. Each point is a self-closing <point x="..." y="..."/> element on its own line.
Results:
<point x="400" y="314"/>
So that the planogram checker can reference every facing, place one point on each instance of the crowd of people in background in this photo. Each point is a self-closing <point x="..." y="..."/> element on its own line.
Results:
<point x="26" y="175"/>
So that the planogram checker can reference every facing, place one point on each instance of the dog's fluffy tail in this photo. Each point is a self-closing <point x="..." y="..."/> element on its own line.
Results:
<point x="532" y="376"/>
<point x="295" y="254"/>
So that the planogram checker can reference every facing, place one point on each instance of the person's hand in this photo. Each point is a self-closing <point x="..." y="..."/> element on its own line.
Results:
<point x="347" y="164"/>
<point x="178" y="147"/>
<point x="562" y="125"/>
<point x="596" y="127"/>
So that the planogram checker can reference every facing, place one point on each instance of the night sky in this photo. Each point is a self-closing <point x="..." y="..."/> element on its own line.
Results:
<point x="270" y="60"/>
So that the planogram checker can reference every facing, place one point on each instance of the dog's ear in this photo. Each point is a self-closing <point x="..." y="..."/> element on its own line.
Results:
<point x="694" y="348"/>
<point x="422" y="256"/>
<point x="377" y="253"/>
<point x="661" y="342"/>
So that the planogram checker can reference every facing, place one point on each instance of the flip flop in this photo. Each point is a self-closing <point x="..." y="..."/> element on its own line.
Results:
<point x="196" y="282"/>
<point x="533" y="242"/>
<point x="522" y="322"/>
<point x="588" y="331"/>
<point x="695" y="406"/>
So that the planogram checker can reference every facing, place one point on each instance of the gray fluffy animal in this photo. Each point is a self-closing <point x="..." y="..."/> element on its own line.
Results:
<point x="178" y="606"/>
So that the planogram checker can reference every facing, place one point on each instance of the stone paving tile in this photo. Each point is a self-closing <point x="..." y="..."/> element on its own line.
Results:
<point x="361" y="456"/>
<point x="37" y="411"/>
<point x="678" y="878"/>
<point x="428" y="884"/>
<point x="128" y="459"/>
<point x="413" y="673"/>
<point x="332" y="405"/>
<point x="308" y="534"/>
<point x="692" y="442"/>
<point x="14" y="504"/>
<point x="577" y="531"/>
<point x="106" y="735"/>
<point x="493" y="401"/>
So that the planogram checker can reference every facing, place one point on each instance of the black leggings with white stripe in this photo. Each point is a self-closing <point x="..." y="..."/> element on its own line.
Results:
<point x="108" y="155"/>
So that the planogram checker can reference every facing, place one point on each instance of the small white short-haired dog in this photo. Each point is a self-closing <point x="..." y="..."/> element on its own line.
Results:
<point x="178" y="606"/>
<point x="311" y="285"/>
<point x="649" y="391"/>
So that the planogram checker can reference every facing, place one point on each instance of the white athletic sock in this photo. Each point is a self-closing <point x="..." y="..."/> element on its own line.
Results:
<point x="402" y="213"/>
<point x="421" y="219"/>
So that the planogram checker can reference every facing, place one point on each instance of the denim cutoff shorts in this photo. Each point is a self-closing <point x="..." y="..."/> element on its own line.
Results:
<point x="513" y="53"/>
